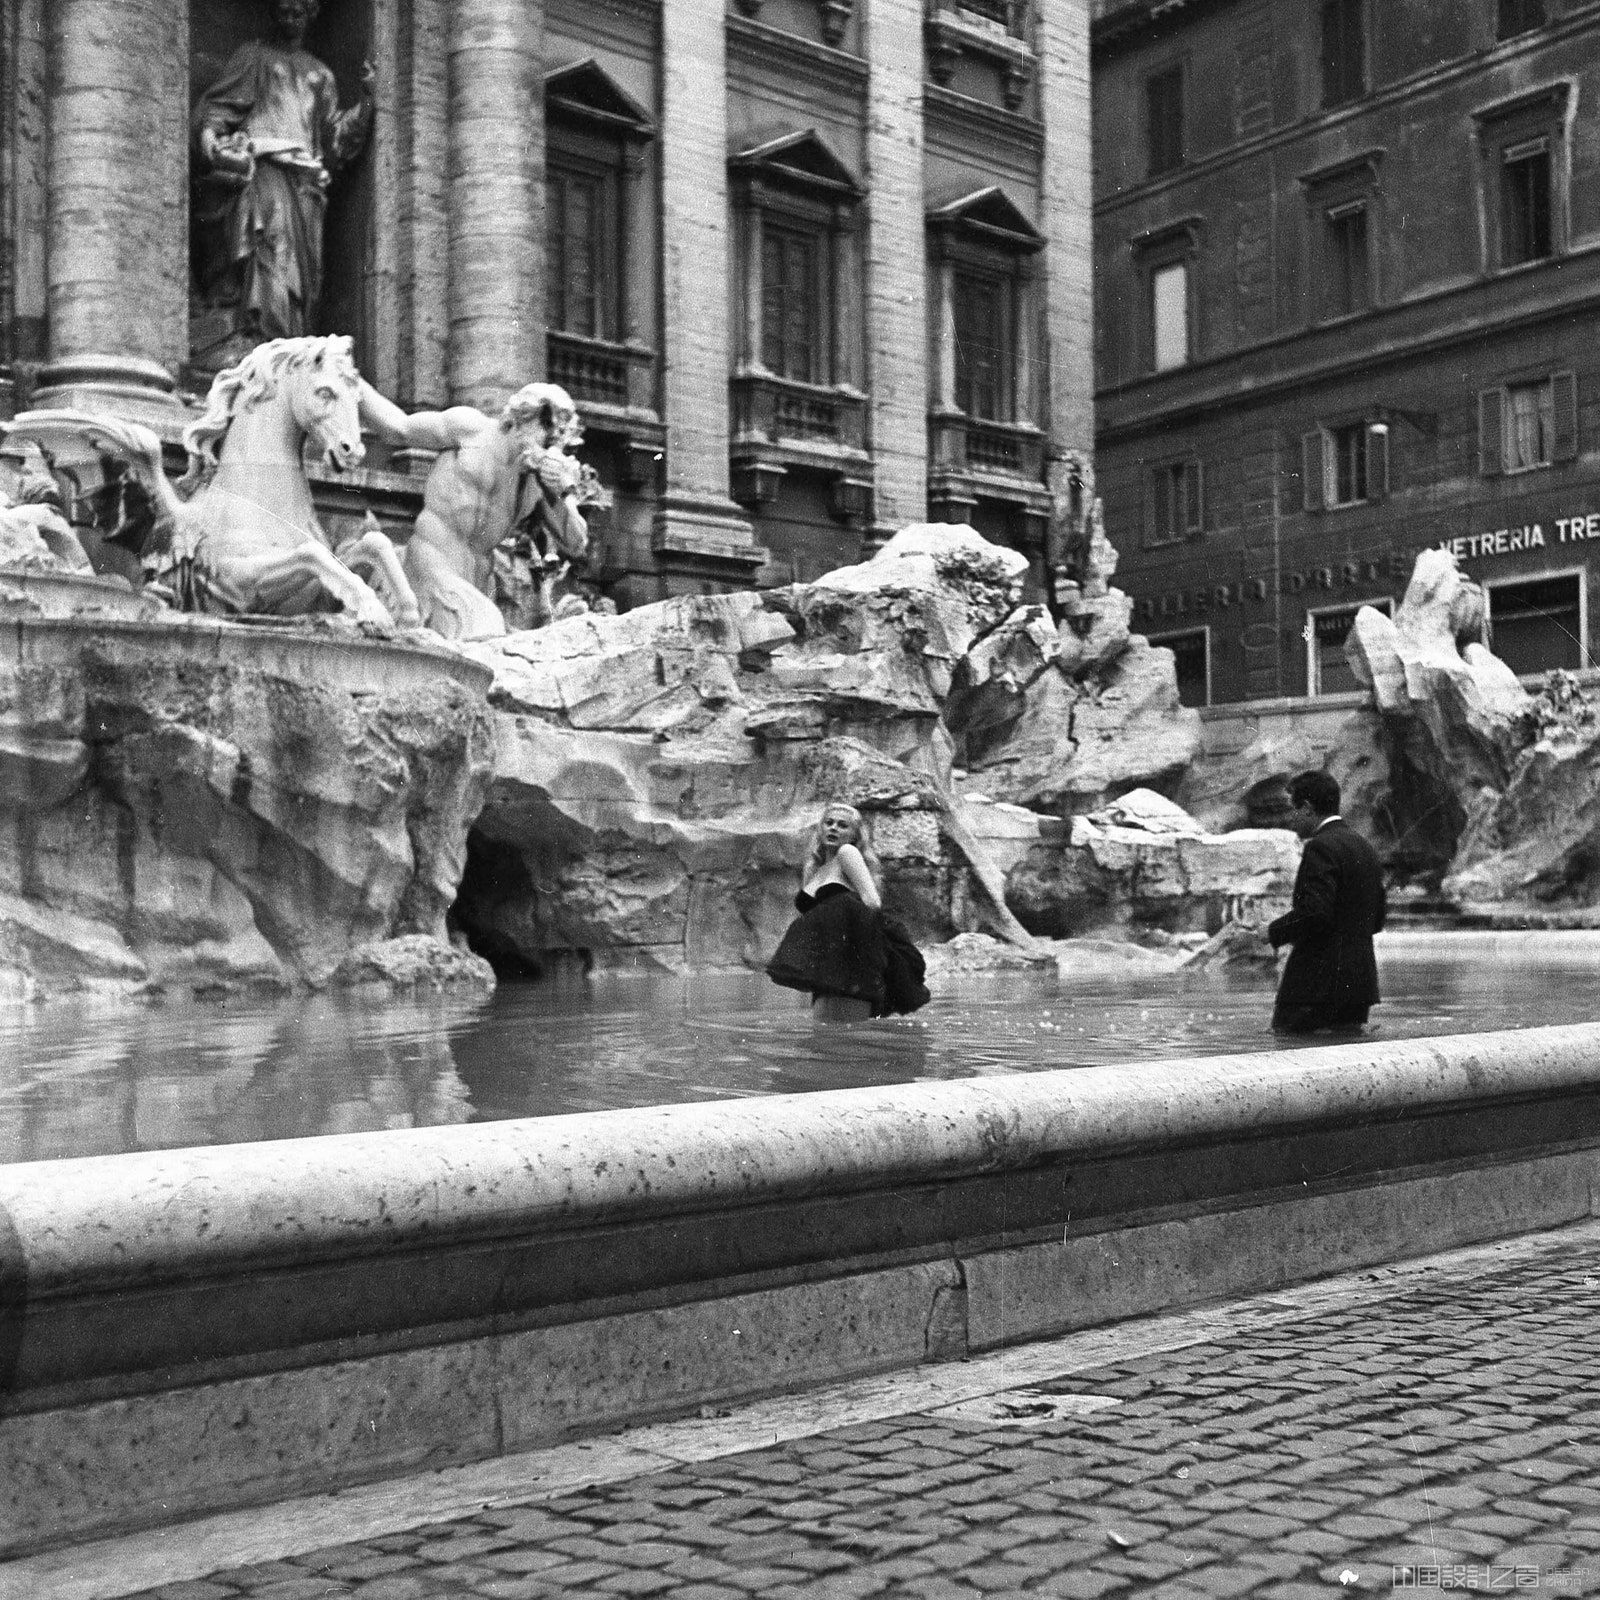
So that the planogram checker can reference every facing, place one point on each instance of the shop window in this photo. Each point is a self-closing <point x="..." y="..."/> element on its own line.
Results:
<point x="1175" y="499"/>
<point x="1344" y="51"/>
<point x="1191" y="658"/>
<point x="1163" y="109"/>
<point x="1327" y="671"/>
<point x="1344" y="464"/>
<point x="1523" y="146"/>
<point x="1529" y="424"/>
<point x="1538" y="624"/>
<point x="1516" y="17"/>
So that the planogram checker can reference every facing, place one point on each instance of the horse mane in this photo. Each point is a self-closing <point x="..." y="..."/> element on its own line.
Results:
<point x="238" y="387"/>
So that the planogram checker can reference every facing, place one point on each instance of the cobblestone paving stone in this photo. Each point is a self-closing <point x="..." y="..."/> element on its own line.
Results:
<point x="1447" y="1439"/>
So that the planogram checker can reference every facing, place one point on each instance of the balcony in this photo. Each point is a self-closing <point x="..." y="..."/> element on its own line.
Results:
<point x="972" y="459"/>
<point x="614" y="386"/>
<point x="779" y="424"/>
<point x="995" y="29"/>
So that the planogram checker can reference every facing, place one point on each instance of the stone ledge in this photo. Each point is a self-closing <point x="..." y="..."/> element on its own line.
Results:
<point x="533" y="1280"/>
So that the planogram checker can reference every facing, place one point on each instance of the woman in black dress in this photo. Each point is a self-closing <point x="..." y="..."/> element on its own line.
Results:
<point x="854" y="962"/>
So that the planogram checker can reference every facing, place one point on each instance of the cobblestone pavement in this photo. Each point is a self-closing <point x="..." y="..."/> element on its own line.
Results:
<point x="1446" y="1438"/>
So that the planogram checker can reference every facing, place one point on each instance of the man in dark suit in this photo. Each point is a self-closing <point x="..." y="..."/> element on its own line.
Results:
<point x="1331" y="978"/>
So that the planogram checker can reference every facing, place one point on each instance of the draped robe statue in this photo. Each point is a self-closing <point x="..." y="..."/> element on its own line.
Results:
<point x="268" y="136"/>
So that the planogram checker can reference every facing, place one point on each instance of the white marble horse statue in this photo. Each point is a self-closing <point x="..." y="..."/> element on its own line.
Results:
<point x="246" y="537"/>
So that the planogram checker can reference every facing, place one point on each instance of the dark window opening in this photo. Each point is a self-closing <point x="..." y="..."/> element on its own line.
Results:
<point x="579" y="240"/>
<point x="1191" y="659"/>
<point x="1519" y="16"/>
<point x="1348" y="287"/>
<point x="791" y="310"/>
<point x="1348" y="478"/>
<point x="1177" y="509"/>
<point x="1344" y="51"/>
<point x="983" y="368"/>
<point x="1539" y="625"/>
<point x="1525" y="232"/>
<point x="1164" y="120"/>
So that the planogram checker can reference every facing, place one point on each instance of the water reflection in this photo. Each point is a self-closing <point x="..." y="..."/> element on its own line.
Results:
<point x="81" y="1080"/>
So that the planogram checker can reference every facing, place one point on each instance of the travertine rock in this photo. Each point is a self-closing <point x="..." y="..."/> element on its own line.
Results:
<point x="658" y="774"/>
<point x="1080" y="739"/>
<point x="195" y="803"/>
<point x="1455" y="719"/>
<point x="1537" y="842"/>
<point x="1082" y="878"/>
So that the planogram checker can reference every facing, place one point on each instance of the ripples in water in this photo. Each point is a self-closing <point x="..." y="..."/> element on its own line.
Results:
<point x="82" y="1080"/>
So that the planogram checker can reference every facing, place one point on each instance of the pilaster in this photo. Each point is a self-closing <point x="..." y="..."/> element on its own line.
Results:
<point x="1068" y="225"/>
<point x="698" y="528"/>
<point x="117" y="232"/>
<point x="896" y="289"/>
<point x="496" y="199"/>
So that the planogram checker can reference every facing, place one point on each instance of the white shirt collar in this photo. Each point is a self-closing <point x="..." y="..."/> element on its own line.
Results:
<point x="1326" y="820"/>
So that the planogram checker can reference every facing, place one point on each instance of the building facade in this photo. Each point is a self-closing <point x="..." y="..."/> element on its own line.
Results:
<point x="813" y="269"/>
<point x="1348" y="287"/>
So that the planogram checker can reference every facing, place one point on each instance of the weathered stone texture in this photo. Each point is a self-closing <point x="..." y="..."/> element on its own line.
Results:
<point x="496" y="199"/>
<point x="188" y="803"/>
<point x="896" y="254"/>
<point x="118" y="185"/>
<point x="658" y="774"/>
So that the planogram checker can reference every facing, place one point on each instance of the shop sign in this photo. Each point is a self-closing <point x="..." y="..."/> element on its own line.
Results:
<point x="1513" y="541"/>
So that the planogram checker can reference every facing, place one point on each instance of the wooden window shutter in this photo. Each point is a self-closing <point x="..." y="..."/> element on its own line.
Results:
<point x="1564" y="394"/>
<point x="1377" y="463"/>
<point x="1194" y="508"/>
<point x="1311" y="469"/>
<point x="1491" y="440"/>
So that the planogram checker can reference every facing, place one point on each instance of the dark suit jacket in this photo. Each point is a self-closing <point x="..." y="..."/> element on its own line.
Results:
<point x="1338" y="905"/>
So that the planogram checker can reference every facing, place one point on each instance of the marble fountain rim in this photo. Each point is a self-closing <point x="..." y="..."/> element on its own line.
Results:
<point x="104" y="1222"/>
<point x="36" y="638"/>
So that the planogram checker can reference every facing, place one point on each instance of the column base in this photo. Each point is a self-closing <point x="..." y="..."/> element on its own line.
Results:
<point x="707" y="539"/>
<point x="125" y="386"/>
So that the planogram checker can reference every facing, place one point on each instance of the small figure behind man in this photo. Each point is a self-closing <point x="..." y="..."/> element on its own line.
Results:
<point x="1331" y="978"/>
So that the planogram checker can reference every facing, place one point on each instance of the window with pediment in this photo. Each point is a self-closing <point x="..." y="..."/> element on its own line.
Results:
<point x="797" y="404"/>
<point x="598" y="282"/>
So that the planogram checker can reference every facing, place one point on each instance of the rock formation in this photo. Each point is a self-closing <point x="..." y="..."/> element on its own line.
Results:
<point x="1454" y="717"/>
<point x="1535" y="842"/>
<point x="1143" y="862"/>
<point x="191" y="803"/>
<point x="658" y="773"/>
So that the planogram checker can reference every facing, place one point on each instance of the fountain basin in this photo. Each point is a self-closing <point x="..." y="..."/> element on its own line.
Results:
<point x="188" y="801"/>
<point x="203" y="1328"/>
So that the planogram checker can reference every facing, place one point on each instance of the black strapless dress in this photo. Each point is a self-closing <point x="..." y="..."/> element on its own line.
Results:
<point x="838" y="945"/>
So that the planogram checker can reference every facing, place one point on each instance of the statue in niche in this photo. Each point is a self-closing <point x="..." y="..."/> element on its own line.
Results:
<point x="268" y="137"/>
<point x="511" y="477"/>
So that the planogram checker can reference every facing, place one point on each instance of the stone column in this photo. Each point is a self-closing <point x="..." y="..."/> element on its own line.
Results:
<point x="699" y="531"/>
<point x="496" y="199"/>
<point x="117" y="237"/>
<point x="425" y="209"/>
<point x="1069" y="251"/>
<point x="897" y="315"/>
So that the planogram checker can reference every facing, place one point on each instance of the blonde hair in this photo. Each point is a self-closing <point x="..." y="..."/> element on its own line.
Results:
<point x="818" y="853"/>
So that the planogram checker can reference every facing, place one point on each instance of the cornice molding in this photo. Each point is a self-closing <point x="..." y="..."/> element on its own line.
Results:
<point x="1415" y="87"/>
<point x="959" y="117"/>
<point x="756" y="46"/>
<point x="1464" y="314"/>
